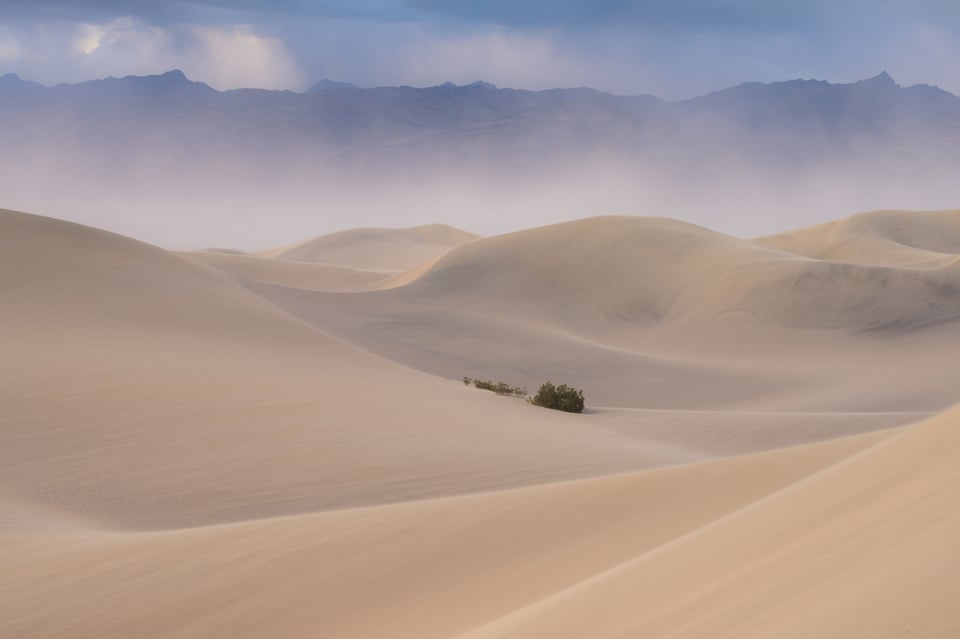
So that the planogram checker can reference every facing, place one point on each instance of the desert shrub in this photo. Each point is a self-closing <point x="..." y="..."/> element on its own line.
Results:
<point x="500" y="388"/>
<point x="562" y="397"/>
<point x="466" y="380"/>
<point x="484" y="384"/>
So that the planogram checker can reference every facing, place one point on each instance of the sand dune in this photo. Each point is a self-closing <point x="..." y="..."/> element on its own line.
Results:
<point x="647" y="272"/>
<point x="658" y="313"/>
<point x="864" y="549"/>
<point x="220" y="445"/>
<point x="420" y="569"/>
<point x="312" y="276"/>
<point x="223" y="251"/>
<point x="376" y="248"/>
<point x="125" y="361"/>
<point x="879" y="238"/>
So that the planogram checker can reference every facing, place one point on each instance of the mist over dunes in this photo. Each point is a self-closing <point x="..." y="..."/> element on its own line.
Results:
<point x="881" y="238"/>
<point x="669" y="303"/>
<point x="206" y="167"/>
<point x="238" y="331"/>
<point x="220" y="443"/>
<point x="383" y="249"/>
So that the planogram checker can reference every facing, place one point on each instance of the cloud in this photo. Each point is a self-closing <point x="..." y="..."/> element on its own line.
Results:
<point x="9" y="49"/>
<point x="89" y="39"/>
<point x="236" y="56"/>
<point x="511" y="13"/>
<point x="710" y="15"/>
<point x="531" y="60"/>
<point x="225" y="56"/>
<point x="672" y="48"/>
<point x="167" y="12"/>
<point x="653" y="14"/>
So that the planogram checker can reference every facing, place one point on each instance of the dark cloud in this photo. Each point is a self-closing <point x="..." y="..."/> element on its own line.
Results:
<point x="735" y="16"/>
<point x="674" y="48"/>
<point x="700" y="14"/>
<point x="204" y="11"/>
<point x="528" y="13"/>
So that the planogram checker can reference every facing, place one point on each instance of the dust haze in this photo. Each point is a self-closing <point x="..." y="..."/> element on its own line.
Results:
<point x="711" y="417"/>
<point x="251" y="193"/>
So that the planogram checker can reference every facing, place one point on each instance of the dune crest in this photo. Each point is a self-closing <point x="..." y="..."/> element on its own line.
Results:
<point x="658" y="313"/>
<point x="311" y="276"/>
<point x="223" y="445"/>
<point x="157" y="362"/>
<point x="862" y="549"/>
<point x="927" y="239"/>
<point x="376" y="248"/>
<point x="650" y="271"/>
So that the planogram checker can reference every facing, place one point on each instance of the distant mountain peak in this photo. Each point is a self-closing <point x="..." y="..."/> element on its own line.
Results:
<point x="882" y="79"/>
<point x="169" y="78"/>
<point x="174" y="82"/>
<point x="14" y="81"/>
<point x="479" y="84"/>
<point x="330" y="85"/>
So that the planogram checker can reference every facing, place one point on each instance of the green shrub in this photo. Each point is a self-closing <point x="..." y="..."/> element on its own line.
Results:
<point x="562" y="397"/>
<point x="484" y="385"/>
<point x="466" y="380"/>
<point x="500" y="388"/>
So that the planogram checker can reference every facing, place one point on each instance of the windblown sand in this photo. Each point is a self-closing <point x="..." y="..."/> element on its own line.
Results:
<point x="216" y="444"/>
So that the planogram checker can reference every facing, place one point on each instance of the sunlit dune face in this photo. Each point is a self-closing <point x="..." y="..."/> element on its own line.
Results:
<point x="447" y="319"/>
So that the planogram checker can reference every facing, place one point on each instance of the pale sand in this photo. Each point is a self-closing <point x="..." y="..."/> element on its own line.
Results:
<point x="881" y="238"/>
<point x="418" y="569"/>
<point x="653" y="313"/>
<point x="187" y="452"/>
<point x="311" y="276"/>
<point x="866" y="548"/>
<point x="375" y="248"/>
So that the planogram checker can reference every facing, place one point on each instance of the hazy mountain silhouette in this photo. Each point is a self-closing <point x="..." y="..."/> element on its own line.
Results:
<point x="859" y="104"/>
<point x="330" y="85"/>
<point x="170" y="121"/>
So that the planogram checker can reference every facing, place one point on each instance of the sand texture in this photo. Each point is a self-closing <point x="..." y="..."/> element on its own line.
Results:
<point x="220" y="444"/>
<point x="376" y="248"/>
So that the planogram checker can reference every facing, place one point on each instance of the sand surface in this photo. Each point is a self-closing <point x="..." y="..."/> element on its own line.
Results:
<point x="214" y="444"/>
<point x="376" y="248"/>
<point x="654" y="313"/>
<point x="311" y="276"/>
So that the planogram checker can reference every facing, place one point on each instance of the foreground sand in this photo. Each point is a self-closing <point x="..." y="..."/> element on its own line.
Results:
<point x="188" y="451"/>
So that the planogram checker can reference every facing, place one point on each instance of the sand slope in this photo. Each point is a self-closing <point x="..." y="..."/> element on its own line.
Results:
<point x="186" y="449"/>
<point x="864" y="549"/>
<point x="649" y="271"/>
<point x="376" y="248"/>
<point x="420" y="569"/>
<point x="125" y="361"/>
<point x="658" y="313"/>
<point x="312" y="276"/>
<point x="879" y="238"/>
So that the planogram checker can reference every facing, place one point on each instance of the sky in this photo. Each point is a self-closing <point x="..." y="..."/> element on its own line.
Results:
<point x="671" y="48"/>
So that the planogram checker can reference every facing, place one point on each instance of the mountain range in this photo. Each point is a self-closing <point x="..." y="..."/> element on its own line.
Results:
<point x="771" y="153"/>
<point x="338" y="121"/>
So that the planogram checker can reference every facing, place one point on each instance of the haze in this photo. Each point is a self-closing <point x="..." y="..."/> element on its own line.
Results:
<point x="479" y="320"/>
<point x="172" y="161"/>
<point x="653" y="48"/>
